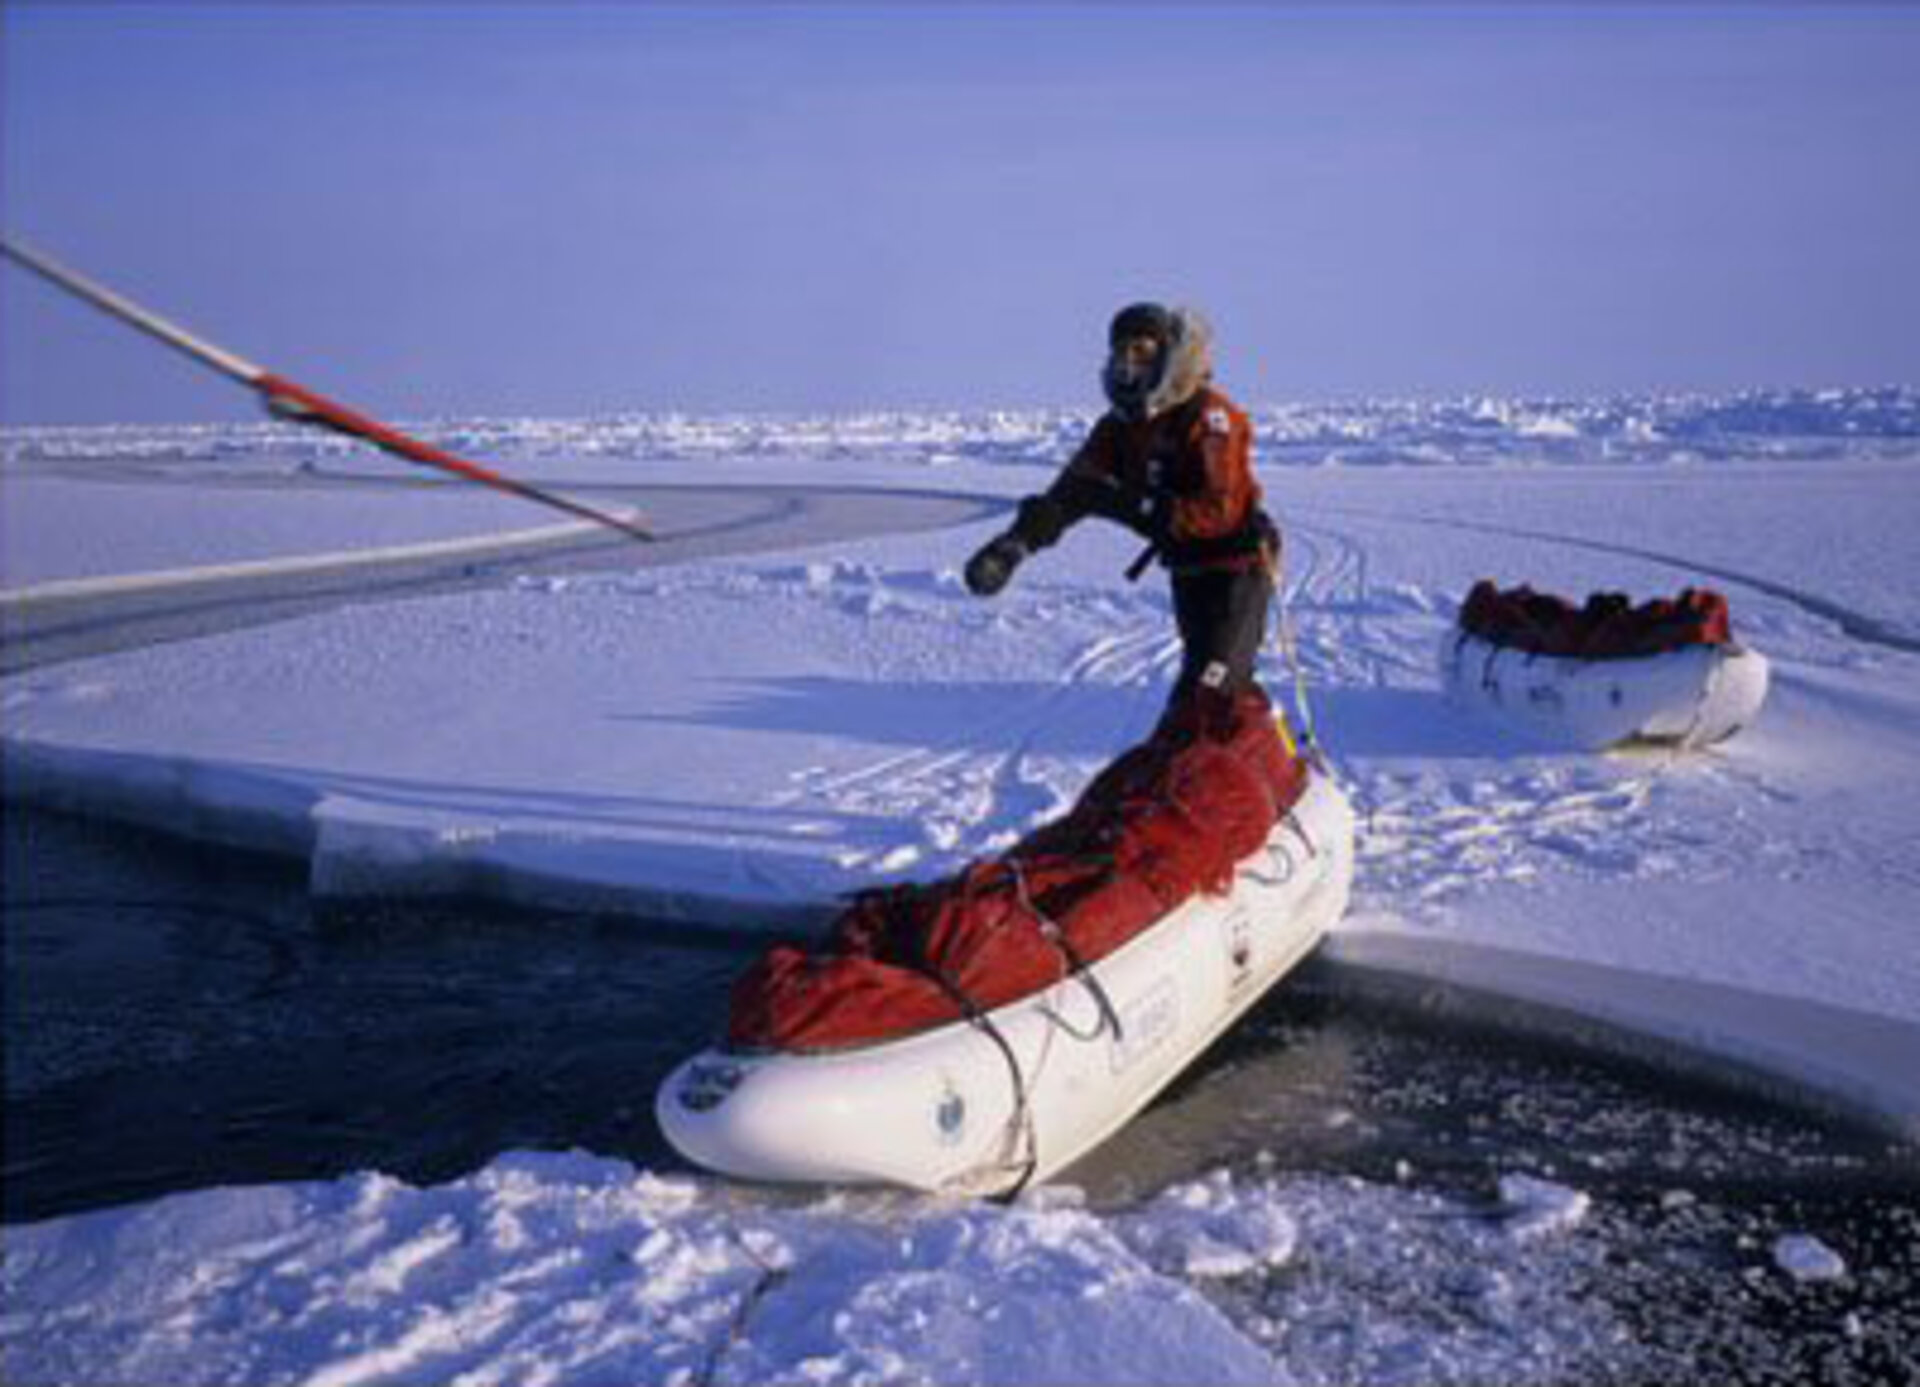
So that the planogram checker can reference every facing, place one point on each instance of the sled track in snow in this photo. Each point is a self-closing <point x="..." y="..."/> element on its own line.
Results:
<point x="53" y="622"/>
<point x="1333" y="588"/>
<point x="1428" y="838"/>
<point x="960" y="791"/>
<point x="957" y="789"/>
<point x="1455" y="812"/>
<point x="1856" y="624"/>
<point x="967" y="796"/>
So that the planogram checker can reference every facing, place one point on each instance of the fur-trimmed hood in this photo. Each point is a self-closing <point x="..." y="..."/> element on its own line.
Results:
<point x="1189" y="368"/>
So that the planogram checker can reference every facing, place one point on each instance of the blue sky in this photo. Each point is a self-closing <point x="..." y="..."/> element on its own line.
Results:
<point x="430" y="209"/>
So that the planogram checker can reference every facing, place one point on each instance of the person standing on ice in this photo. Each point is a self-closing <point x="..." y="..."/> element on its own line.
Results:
<point x="1172" y="460"/>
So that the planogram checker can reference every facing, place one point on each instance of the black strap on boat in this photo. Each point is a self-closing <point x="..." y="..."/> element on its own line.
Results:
<point x="1022" y="1118"/>
<point x="1300" y="831"/>
<point x="1076" y="965"/>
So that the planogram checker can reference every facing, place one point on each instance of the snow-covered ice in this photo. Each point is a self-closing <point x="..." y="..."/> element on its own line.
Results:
<point x="741" y="738"/>
<point x="737" y="739"/>
<point x="549" y="1267"/>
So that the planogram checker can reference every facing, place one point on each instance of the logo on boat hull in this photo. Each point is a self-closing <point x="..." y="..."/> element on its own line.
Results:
<point x="950" y="1114"/>
<point x="708" y="1083"/>
<point x="1145" y="1024"/>
<point x="1239" y="942"/>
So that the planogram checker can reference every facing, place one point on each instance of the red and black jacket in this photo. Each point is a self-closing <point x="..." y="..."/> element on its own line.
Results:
<point x="1183" y="479"/>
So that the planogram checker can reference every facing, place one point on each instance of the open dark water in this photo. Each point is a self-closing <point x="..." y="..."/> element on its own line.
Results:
<point x="180" y="1016"/>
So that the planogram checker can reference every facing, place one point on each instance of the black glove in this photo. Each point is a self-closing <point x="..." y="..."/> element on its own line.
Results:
<point x="1039" y="522"/>
<point x="989" y="569"/>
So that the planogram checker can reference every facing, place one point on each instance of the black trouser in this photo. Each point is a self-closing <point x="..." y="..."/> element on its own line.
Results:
<point x="1222" y="615"/>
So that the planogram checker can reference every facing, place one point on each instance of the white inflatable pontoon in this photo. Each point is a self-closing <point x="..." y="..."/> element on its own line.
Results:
<point x="984" y="1107"/>
<point x="1690" y="697"/>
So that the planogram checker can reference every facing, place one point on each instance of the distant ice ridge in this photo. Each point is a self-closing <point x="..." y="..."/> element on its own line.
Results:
<point x="1758" y="424"/>
<point x="1774" y="424"/>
